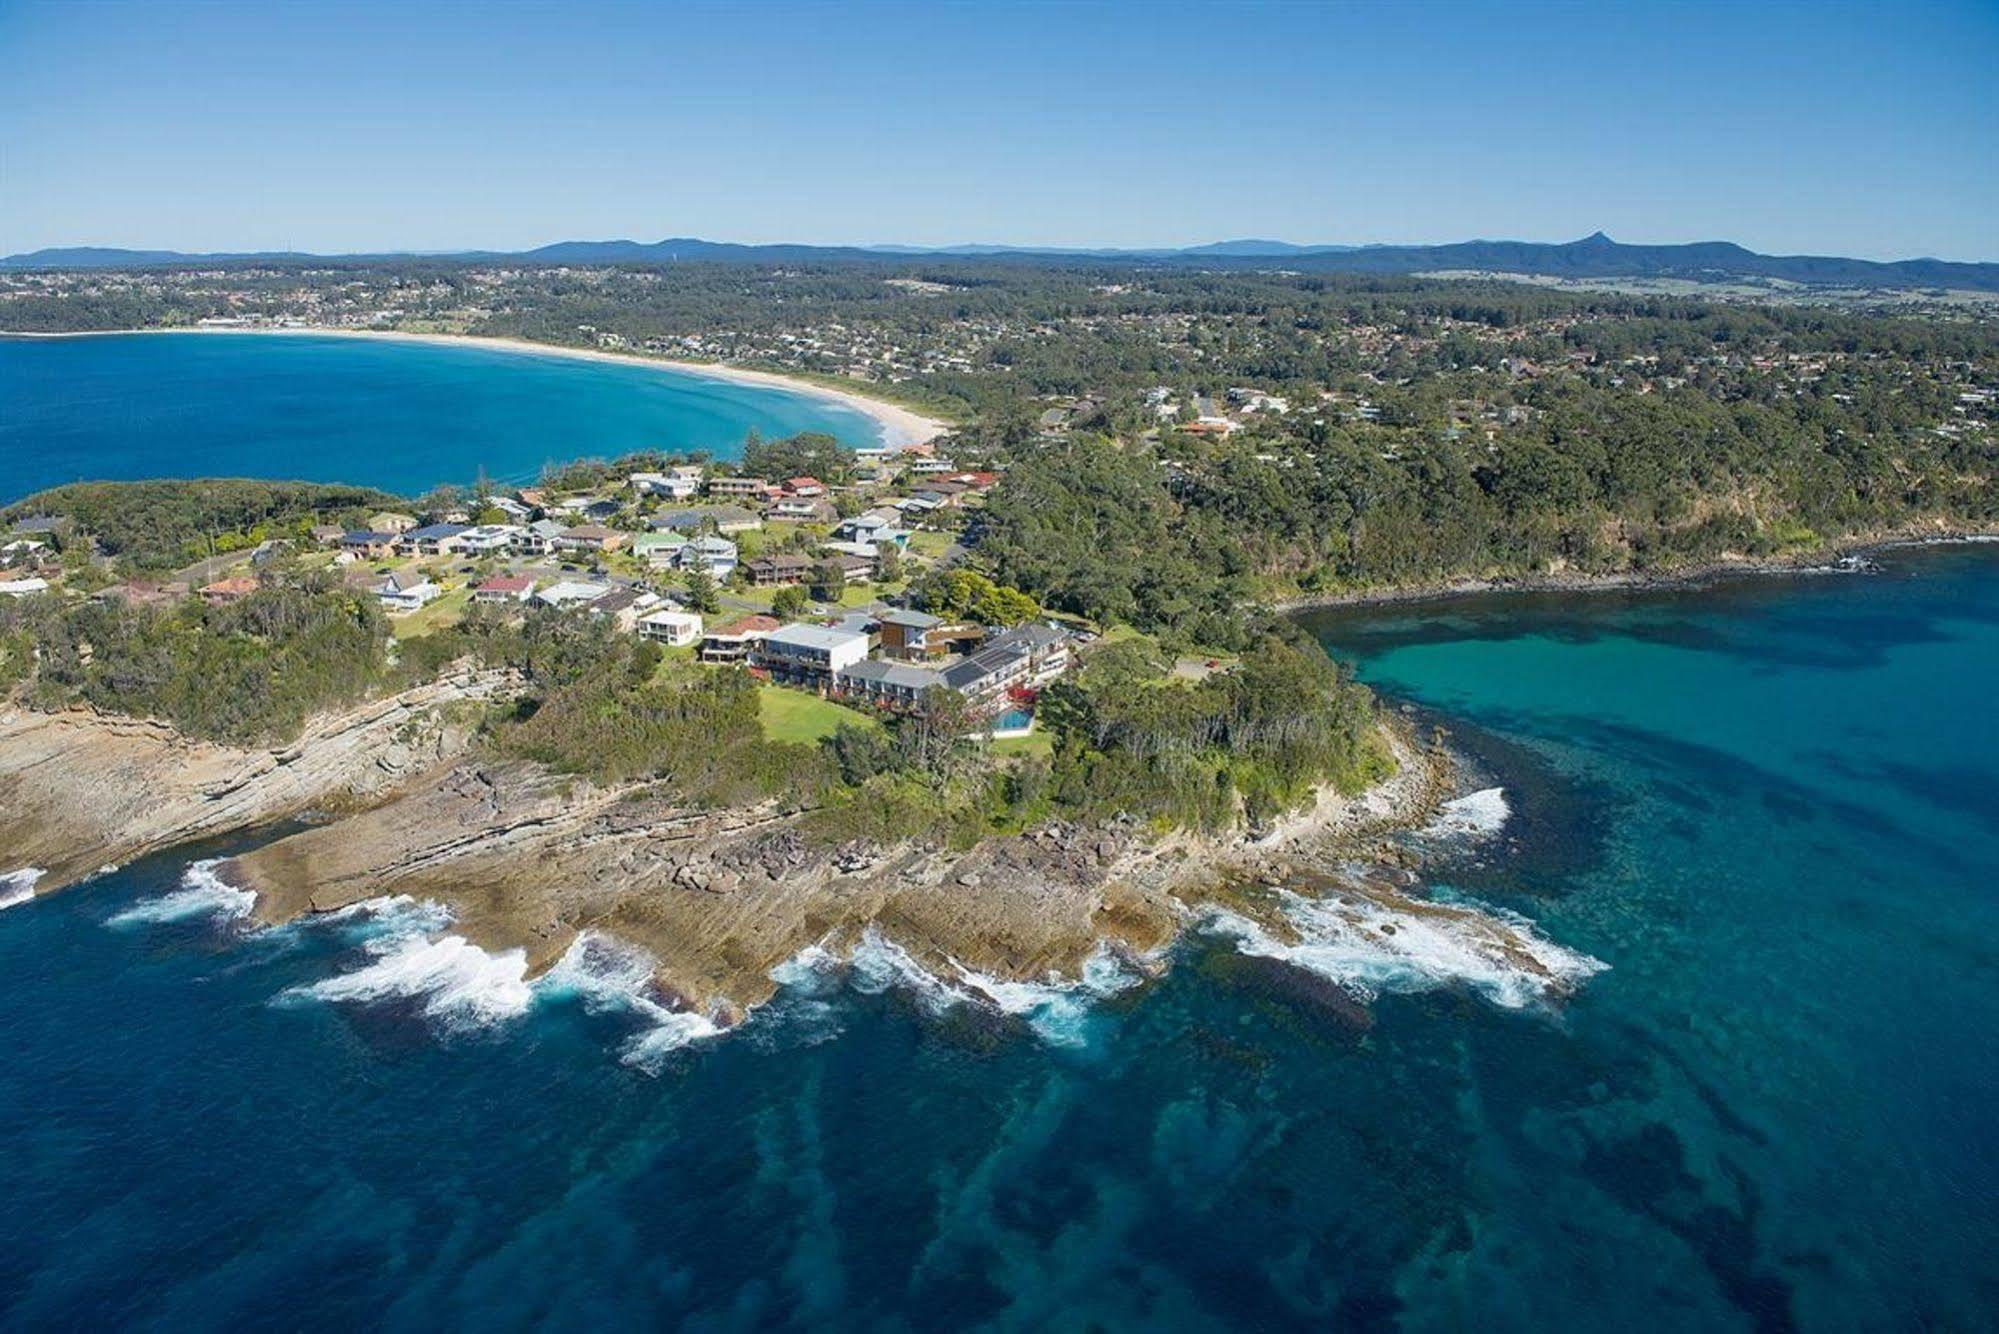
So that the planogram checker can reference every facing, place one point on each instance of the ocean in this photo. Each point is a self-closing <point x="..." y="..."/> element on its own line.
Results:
<point x="397" y="415"/>
<point x="1768" y="809"/>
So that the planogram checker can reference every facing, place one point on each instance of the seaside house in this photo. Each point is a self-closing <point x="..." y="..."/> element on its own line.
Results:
<point x="489" y="539"/>
<point x="406" y="591"/>
<point x="911" y="635"/>
<point x="659" y="550"/>
<point x="327" y="535"/>
<point x="1048" y="650"/>
<point x="805" y="488"/>
<point x="799" y="509"/>
<point x="810" y="655"/>
<point x="985" y="676"/>
<point x="538" y="538"/>
<point x="517" y="511"/>
<point x="388" y="521"/>
<point x="736" y="641"/>
<point x="433" y="539"/>
<point x="504" y="590"/>
<point x="778" y="571"/>
<point x="591" y="537"/>
<point x="742" y="488"/>
<point x="565" y="593"/>
<point x="671" y="627"/>
<point x="717" y="555"/>
<point x="888" y="685"/>
<point x="368" y="546"/>
<point x="624" y="605"/>
<point x="675" y="485"/>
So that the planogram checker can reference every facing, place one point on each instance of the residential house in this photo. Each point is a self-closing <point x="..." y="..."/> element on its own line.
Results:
<point x="228" y="590"/>
<point x="810" y="655"/>
<point x="327" y="535"/>
<point x="909" y="635"/>
<point x="489" y="539"/>
<point x="671" y="627"/>
<point x="369" y="546"/>
<point x="864" y="551"/>
<point x="658" y="550"/>
<point x="889" y="685"/>
<point x="407" y="591"/>
<point x="778" y="571"/>
<point x="567" y="593"/>
<point x="538" y="538"/>
<point x="717" y="555"/>
<point x="517" y="511"/>
<point x="873" y="529"/>
<point x="505" y="589"/>
<point x="985" y="676"/>
<point x="24" y="551"/>
<point x="804" y="488"/>
<point x="854" y="569"/>
<point x="667" y="486"/>
<point x="736" y="641"/>
<point x="623" y="606"/>
<point x="433" y="539"/>
<point x="1048" y="650"/>
<point x="797" y="509"/>
<point x="745" y="488"/>
<point x="591" y="537"/>
<point x="727" y="519"/>
<point x="388" y="521"/>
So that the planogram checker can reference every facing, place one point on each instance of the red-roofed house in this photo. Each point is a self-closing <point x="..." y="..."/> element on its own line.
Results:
<point x="504" y="588"/>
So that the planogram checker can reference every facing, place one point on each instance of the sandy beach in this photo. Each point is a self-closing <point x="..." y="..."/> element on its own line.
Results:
<point x="900" y="427"/>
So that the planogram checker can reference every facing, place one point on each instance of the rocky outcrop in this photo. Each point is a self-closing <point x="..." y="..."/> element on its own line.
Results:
<point x="81" y="790"/>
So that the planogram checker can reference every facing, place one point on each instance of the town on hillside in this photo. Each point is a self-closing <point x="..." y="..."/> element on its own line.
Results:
<point x="846" y="590"/>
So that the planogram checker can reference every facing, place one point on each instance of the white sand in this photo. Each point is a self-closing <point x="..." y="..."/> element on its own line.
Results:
<point x="901" y="427"/>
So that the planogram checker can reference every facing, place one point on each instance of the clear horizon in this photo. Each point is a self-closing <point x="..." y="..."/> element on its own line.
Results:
<point x="1853" y="130"/>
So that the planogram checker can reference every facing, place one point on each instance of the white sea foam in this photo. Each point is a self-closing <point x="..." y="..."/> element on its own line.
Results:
<point x="452" y="981"/>
<point x="1056" y="1009"/>
<point x="203" y="893"/>
<point x="607" y="975"/>
<point x="1370" y="948"/>
<point x="17" y="887"/>
<point x="1475" y="815"/>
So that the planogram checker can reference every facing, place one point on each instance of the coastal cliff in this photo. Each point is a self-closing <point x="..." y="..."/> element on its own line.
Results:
<point x="716" y="898"/>
<point x="81" y="790"/>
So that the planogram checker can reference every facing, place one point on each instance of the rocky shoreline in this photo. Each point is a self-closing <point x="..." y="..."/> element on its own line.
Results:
<point x="1849" y="553"/>
<point x="400" y="804"/>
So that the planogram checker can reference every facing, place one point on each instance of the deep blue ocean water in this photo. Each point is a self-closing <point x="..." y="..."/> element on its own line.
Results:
<point x="401" y="416"/>
<point x="1771" y="807"/>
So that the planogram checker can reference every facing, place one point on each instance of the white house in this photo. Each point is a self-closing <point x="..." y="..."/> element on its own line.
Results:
<point x="717" y="555"/>
<point x="489" y="538"/>
<point x="675" y="485"/>
<point x="674" y="628"/>
<point x="538" y="538"/>
<point x="802" y="654"/>
<point x="570" y="593"/>
<point x="406" y="591"/>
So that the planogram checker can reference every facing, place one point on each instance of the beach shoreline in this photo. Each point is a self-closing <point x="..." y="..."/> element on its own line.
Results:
<point x="901" y="427"/>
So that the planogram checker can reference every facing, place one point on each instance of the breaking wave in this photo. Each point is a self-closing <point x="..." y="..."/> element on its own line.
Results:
<point x="1369" y="948"/>
<point x="202" y="893"/>
<point x="17" y="887"/>
<point x="451" y="981"/>
<point x="609" y="976"/>
<point x="1056" y="1009"/>
<point x="1475" y="815"/>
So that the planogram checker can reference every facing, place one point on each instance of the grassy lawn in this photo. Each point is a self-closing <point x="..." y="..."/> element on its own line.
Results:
<point x="930" y="545"/>
<point x="1038" y="742"/>
<point x="794" y="715"/>
<point x="447" y="610"/>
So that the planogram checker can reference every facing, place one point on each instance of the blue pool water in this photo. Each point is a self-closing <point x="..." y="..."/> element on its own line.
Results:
<point x="401" y="416"/>
<point x="1013" y="720"/>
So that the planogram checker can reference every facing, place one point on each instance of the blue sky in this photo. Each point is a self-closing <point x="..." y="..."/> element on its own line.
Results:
<point x="1799" y="127"/>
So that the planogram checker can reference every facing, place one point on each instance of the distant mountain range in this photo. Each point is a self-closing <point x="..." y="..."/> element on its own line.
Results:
<point x="1595" y="256"/>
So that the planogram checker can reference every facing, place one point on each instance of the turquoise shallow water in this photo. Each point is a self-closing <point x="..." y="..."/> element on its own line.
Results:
<point x="402" y="416"/>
